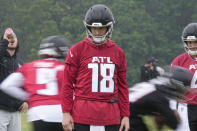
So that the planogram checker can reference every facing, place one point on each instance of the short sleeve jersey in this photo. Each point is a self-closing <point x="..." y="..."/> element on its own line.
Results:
<point x="42" y="80"/>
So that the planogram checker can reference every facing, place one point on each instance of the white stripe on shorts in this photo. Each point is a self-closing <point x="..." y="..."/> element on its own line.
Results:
<point x="97" y="128"/>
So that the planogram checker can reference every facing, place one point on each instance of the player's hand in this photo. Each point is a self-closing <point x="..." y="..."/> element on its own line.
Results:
<point x="24" y="107"/>
<point x="124" y="124"/>
<point x="67" y="122"/>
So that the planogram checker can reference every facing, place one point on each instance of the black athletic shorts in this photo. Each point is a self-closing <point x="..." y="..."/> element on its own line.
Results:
<point x="83" y="127"/>
<point x="47" y="126"/>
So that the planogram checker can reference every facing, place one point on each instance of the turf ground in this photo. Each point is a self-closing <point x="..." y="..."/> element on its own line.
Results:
<point x="148" y="120"/>
<point x="26" y="126"/>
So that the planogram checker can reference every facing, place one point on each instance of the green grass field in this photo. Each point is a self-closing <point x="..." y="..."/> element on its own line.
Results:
<point x="152" y="126"/>
<point x="26" y="126"/>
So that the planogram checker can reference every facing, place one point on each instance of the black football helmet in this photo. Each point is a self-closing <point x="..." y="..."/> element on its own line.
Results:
<point x="190" y="34"/>
<point x="174" y="83"/>
<point x="54" y="46"/>
<point x="99" y="16"/>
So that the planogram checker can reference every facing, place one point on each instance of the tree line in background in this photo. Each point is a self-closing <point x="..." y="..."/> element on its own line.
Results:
<point x="143" y="28"/>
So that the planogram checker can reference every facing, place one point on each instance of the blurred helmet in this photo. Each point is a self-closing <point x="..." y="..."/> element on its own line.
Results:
<point x="174" y="83"/>
<point x="54" y="46"/>
<point x="190" y="34"/>
<point x="99" y="16"/>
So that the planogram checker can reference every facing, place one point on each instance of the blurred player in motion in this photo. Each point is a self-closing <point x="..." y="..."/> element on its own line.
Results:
<point x="41" y="82"/>
<point x="152" y="98"/>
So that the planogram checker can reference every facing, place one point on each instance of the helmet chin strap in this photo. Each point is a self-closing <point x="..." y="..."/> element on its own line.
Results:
<point x="97" y="39"/>
<point x="192" y="53"/>
<point x="189" y="51"/>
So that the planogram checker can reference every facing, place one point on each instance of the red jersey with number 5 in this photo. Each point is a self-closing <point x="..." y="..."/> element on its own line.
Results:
<point x="186" y="61"/>
<point x="43" y="81"/>
<point x="97" y="74"/>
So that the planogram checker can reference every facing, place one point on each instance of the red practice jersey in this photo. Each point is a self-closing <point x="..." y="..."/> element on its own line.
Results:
<point x="186" y="61"/>
<point x="97" y="75"/>
<point x="42" y="81"/>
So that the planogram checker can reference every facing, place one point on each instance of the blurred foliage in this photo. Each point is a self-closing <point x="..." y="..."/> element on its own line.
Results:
<point x="143" y="28"/>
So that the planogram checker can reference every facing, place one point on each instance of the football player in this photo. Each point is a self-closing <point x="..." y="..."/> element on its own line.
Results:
<point x="152" y="98"/>
<point x="96" y="73"/>
<point x="41" y="82"/>
<point x="188" y="60"/>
